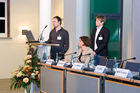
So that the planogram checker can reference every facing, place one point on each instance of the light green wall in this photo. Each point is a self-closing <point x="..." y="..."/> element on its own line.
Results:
<point x="108" y="7"/>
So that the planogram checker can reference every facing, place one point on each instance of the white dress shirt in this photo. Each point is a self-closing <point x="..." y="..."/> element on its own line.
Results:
<point x="96" y="35"/>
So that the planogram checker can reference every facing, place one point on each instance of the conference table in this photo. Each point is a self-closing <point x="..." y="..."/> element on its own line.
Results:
<point x="115" y="84"/>
<point x="52" y="79"/>
<point x="55" y="79"/>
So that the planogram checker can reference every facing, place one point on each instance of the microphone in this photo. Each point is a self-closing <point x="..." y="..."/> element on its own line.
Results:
<point x="112" y="72"/>
<point x="41" y="34"/>
<point x="70" y="54"/>
<point x="66" y="54"/>
<point x="122" y="62"/>
<point x="61" y="54"/>
<point x="82" y="55"/>
<point x="72" y="59"/>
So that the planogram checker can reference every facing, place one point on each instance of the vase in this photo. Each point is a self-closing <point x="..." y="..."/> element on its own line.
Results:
<point x="33" y="89"/>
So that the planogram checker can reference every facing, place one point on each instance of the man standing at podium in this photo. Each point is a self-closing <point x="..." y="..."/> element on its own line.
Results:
<point x="58" y="35"/>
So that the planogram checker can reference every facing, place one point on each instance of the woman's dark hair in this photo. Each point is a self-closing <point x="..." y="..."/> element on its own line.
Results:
<point x="86" y="40"/>
<point x="58" y="19"/>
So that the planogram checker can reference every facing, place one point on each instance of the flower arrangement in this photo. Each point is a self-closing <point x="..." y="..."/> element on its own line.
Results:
<point x="28" y="73"/>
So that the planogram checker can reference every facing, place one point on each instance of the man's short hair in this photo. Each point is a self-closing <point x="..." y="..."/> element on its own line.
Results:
<point x="102" y="18"/>
<point x="58" y="19"/>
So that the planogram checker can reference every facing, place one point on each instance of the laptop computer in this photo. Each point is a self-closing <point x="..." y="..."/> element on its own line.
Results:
<point x="30" y="36"/>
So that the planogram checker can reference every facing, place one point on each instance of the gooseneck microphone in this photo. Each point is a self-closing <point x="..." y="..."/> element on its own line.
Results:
<point x="72" y="59"/>
<point x="61" y="54"/>
<point x="111" y="72"/>
<point x="41" y="34"/>
<point x="82" y="55"/>
<point x="122" y="62"/>
<point x="70" y="54"/>
<point x="133" y="58"/>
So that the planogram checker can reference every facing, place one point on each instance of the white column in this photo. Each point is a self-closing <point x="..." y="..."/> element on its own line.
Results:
<point x="76" y="20"/>
<point x="70" y="22"/>
<point x="127" y="29"/>
<point x="82" y="19"/>
<point x="136" y="27"/>
<point x="45" y="19"/>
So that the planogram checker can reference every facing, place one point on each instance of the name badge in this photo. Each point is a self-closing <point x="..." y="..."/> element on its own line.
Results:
<point x="61" y="64"/>
<point x="100" y="69"/>
<point x="49" y="61"/>
<point x="125" y="73"/>
<point x="100" y="38"/>
<point x="80" y="66"/>
<point x="59" y="37"/>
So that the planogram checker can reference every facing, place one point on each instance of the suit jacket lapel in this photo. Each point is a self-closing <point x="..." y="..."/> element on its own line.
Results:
<point x="94" y="34"/>
<point x="100" y="33"/>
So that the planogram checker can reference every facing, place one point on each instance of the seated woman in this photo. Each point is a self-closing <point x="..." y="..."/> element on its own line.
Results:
<point x="85" y="52"/>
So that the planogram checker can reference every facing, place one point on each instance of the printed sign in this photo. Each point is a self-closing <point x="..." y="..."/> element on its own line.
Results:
<point x="61" y="64"/>
<point x="78" y="66"/>
<point x="125" y="73"/>
<point x="49" y="61"/>
<point x="100" y="69"/>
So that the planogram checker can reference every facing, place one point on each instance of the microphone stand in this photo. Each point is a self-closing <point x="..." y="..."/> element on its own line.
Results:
<point x="82" y="55"/>
<point x="71" y="62"/>
<point x="112" y="72"/>
<point x="72" y="59"/>
<point x="122" y="63"/>
<point x="41" y="34"/>
<point x="70" y="53"/>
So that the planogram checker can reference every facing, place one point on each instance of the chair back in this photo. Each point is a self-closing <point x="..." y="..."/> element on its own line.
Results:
<point x="102" y="60"/>
<point x="110" y="63"/>
<point x="132" y="66"/>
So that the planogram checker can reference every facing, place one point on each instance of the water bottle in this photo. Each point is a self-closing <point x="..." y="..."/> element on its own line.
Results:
<point x="72" y="60"/>
<point x="115" y="63"/>
<point x="56" y="59"/>
<point x="91" y="63"/>
<point x="139" y="71"/>
<point x="44" y="57"/>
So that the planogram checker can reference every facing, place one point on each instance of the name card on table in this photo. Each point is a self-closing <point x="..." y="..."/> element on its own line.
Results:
<point x="61" y="64"/>
<point x="100" y="69"/>
<point x="80" y="66"/>
<point x="125" y="73"/>
<point x="49" y="61"/>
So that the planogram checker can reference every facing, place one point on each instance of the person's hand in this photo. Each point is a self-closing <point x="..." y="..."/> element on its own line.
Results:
<point x="94" y="53"/>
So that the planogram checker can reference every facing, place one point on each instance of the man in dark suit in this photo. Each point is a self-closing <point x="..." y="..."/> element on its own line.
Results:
<point x="100" y="38"/>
